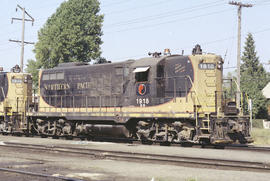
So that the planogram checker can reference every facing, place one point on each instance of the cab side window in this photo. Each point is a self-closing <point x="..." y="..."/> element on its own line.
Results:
<point x="141" y="74"/>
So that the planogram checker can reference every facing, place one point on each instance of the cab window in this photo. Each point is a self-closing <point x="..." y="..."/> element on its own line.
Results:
<point x="141" y="74"/>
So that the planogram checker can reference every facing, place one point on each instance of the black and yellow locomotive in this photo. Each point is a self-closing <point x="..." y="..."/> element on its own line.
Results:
<point x="170" y="98"/>
<point x="15" y="93"/>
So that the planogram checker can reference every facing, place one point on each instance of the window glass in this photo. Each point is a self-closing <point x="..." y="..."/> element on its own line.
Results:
<point x="142" y="76"/>
<point x="60" y="75"/>
<point x="45" y="77"/>
<point x="52" y="76"/>
<point x="126" y="71"/>
<point x="16" y="81"/>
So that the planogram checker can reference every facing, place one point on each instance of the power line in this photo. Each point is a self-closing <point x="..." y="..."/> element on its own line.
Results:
<point x="138" y="7"/>
<point x="267" y="29"/>
<point x="23" y="19"/>
<point x="143" y="19"/>
<point x="47" y="5"/>
<point x="147" y="26"/>
<point x="192" y="7"/>
<point x="216" y="41"/>
<point x="168" y="22"/>
<point x="121" y="2"/>
<point x="198" y="6"/>
<point x="115" y="3"/>
<point x="167" y="14"/>
<point x="203" y="43"/>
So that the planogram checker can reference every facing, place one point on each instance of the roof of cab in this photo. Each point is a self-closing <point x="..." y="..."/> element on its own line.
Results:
<point x="150" y="61"/>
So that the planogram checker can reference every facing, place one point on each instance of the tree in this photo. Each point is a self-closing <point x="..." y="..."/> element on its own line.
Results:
<point x="253" y="78"/>
<point x="33" y="68"/>
<point x="71" y="34"/>
<point x="101" y="60"/>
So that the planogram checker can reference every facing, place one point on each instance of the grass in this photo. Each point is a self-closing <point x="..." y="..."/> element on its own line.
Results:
<point x="257" y="123"/>
<point x="191" y="179"/>
<point x="165" y="179"/>
<point x="261" y="136"/>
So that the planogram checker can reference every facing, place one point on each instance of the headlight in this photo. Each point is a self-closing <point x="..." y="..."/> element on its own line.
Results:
<point x="25" y="79"/>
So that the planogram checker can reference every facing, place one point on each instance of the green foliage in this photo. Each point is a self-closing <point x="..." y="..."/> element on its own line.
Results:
<point x="33" y="68"/>
<point x="101" y="60"/>
<point x="253" y="78"/>
<point x="71" y="34"/>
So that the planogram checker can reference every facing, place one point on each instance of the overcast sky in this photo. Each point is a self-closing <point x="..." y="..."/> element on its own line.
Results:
<point x="132" y="28"/>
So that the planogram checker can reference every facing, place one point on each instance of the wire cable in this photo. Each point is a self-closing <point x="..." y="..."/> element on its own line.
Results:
<point x="168" y="22"/>
<point x="167" y="14"/>
<point x="139" y="7"/>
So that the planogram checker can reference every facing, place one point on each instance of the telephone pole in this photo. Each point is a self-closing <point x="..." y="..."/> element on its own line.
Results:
<point x="23" y="19"/>
<point x="240" y="5"/>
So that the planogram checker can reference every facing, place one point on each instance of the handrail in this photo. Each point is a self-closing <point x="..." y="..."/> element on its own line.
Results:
<point x="2" y="90"/>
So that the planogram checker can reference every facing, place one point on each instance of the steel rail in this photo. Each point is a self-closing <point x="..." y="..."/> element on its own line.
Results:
<point x="154" y="143"/>
<point x="248" y="148"/>
<point x="151" y="158"/>
<point x="37" y="174"/>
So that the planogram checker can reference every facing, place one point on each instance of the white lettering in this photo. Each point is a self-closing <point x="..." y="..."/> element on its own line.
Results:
<point x="143" y="101"/>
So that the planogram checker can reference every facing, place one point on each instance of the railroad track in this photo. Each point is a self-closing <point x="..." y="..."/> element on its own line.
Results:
<point x="138" y="142"/>
<point x="248" y="148"/>
<point x="37" y="175"/>
<point x="148" y="158"/>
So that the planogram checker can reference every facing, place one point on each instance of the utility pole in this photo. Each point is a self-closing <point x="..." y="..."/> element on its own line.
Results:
<point x="240" y="5"/>
<point x="23" y="19"/>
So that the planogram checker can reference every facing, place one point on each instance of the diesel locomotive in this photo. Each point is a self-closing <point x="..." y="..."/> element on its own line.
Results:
<point x="162" y="98"/>
<point x="15" y="89"/>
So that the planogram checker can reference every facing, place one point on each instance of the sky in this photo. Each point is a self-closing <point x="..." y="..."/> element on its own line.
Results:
<point x="132" y="28"/>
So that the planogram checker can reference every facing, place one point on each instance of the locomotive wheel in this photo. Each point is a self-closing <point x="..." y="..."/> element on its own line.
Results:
<point x="146" y="142"/>
<point x="55" y="137"/>
<point x="43" y="136"/>
<point x="219" y="147"/>
<point x="186" y="144"/>
<point x="165" y="143"/>
<point x="69" y="137"/>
